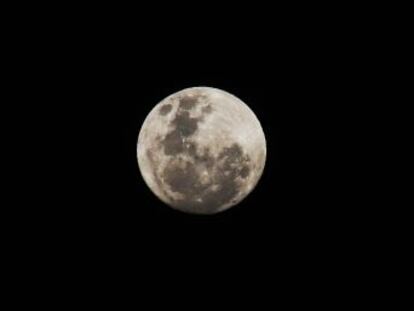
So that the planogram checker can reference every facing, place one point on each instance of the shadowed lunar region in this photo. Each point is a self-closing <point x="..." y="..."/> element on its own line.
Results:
<point x="201" y="150"/>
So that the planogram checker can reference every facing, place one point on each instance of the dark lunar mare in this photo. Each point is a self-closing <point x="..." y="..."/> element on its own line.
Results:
<point x="183" y="126"/>
<point x="231" y="163"/>
<point x="188" y="102"/>
<point x="165" y="109"/>
<point x="181" y="175"/>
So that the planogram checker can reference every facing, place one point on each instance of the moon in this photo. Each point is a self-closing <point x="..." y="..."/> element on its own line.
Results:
<point x="201" y="150"/>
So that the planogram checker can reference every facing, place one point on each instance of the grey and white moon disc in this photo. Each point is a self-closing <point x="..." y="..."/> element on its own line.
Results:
<point x="201" y="150"/>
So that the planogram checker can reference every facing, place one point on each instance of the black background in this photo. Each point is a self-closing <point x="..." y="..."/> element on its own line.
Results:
<point x="297" y="71"/>
<point x="295" y="81"/>
<point x="296" y="90"/>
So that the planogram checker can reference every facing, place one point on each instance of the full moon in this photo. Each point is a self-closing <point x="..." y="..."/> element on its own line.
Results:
<point x="201" y="150"/>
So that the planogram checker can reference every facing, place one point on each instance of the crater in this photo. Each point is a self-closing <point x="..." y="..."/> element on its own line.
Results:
<point x="245" y="172"/>
<point x="165" y="109"/>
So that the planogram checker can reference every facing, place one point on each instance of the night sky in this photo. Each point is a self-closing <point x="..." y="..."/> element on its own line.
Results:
<point x="298" y="80"/>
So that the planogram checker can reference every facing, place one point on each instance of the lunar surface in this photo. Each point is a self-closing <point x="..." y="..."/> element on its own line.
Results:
<point x="201" y="150"/>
